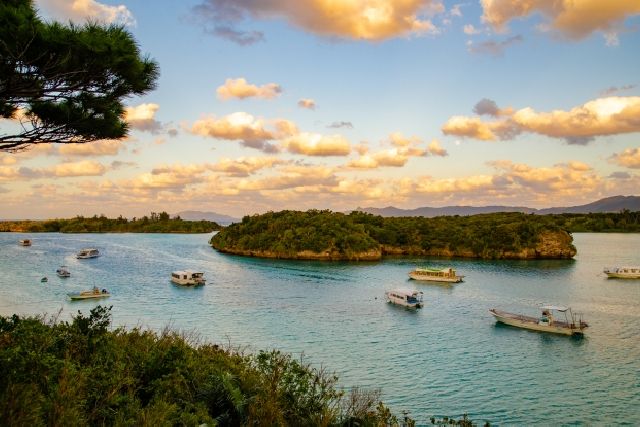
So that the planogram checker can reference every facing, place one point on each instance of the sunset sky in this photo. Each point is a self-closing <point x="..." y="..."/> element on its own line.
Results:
<point x="333" y="104"/>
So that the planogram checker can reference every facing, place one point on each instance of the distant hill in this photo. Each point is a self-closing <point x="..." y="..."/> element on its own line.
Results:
<point x="609" y="204"/>
<point x="207" y="216"/>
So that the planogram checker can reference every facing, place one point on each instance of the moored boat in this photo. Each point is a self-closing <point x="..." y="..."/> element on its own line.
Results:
<point x="547" y="322"/>
<point x="435" y="275"/>
<point x="188" y="277"/>
<point x="25" y="242"/>
<point x="88" y="253"/>
<point x="409" y="299"/>
<point x="623" y="272"/>
<point x="63" y="271"/>
<point x="93" y="293"/>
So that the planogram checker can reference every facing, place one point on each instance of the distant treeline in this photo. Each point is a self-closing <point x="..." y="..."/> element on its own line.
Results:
<point x="156" y="223"/>
<point x="620" y="222"/>
<point x="287" y="234"/>
<point x="82" y="373"/>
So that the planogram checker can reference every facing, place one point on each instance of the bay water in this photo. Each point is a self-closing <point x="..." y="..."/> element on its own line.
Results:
<point x="448" y="358"/>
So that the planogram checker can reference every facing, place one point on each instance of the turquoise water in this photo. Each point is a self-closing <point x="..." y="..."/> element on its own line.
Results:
<point x="446" y="359"/>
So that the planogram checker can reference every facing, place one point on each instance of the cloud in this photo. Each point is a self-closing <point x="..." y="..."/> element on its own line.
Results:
<point x="87" y="10"/>
<point x="580" y="125"/>
<point x="337" y="125"/>
<point x="98" y="148"/>
<point x="142" y="116"/>
<point x="244" y="167"/>
<point x="573" y="19"/>
<point x="490" y="108"/>
<point x="614" y="89"/>
<point x="240" y="89"/>
<point x="629" y="158"/>
<point x="83" y="168"/>
<point x="620" y="175"/>
<point x="435" y="149"/>
<point x="360" y="20"/>
<point x="314" y="144"/>
<point x="309" y="104"/>
<point x="493" y="47"/>
<point x="240" y="126"/>
<point x="470" y="30"/>
<point x="243" y="38"/>
<point x="474" y="127"/>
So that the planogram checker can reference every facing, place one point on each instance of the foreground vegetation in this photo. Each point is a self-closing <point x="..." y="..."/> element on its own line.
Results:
<point x="83" y="373"/>
<point x="156" y="223"/>
<point x="361" y="236"/>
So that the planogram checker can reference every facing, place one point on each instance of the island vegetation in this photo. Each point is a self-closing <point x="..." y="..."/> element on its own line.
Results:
<point x="624" y="221"/>
<point x="83" y="372"/>
<point x="322" y="234"/>
<point x="155" y="223"/>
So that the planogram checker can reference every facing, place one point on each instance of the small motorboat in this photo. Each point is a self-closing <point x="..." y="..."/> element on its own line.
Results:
<point x="93" y="293"/>
<point x="623" y="272"/>
<point x="44" y="280"/>
<point x="63" y="271"/>
<point x="435" y="275"/>
<point x="409" y="299"/>
<point x="25" y="242"/>
<point x="547" y="322"/>
<point x="188" y="277"/>
<point x="88" y="253"/>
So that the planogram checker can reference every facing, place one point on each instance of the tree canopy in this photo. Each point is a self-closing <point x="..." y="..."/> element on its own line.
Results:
<point x="65" y="83"/>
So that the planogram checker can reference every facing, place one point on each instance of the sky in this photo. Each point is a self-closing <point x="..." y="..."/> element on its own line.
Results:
<point x="264" y="105"/>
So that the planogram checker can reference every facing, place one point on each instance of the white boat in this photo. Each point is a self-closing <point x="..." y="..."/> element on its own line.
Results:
<point x="410" y="299"/>
<point x="188" y="277"/>
<point x="93" y="293"/>
<point x="88" y="253"/>
<point x="572" y="324"/>
<point x="435" y="275"/>
<point x="623" y="272"/>
<point x="63" y="271"/>
<point x="25" y="242"/>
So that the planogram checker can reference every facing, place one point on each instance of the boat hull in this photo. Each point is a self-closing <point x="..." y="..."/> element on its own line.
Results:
<point x="425" y="278"/>
<point x="188" y="282"/>
<point x="531" y="323"/>
<point x="77" y="297"/>
<point x="622" y="276"/>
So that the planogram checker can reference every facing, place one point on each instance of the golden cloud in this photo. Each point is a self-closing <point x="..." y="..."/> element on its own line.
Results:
<point x="602" y="116"/>
<point x="353" y="19"/>
<point x="98" y="148"/>
<point x="142" y="116"/>
<point x="243" y="167"/>
<point x="239" y="88"/>
<point x="435" y="149"/>
<point x="307" y="103"/>
<point x="241" y="126"/>
<point x="84" y="168"/>
<point x="574" y="19"/>
<point x="87" y="10"/>
<point x="314" y="144"/>
<point x="629" y="158"/>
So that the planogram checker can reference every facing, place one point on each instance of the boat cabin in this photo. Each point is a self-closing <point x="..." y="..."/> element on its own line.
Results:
<point x="188" y="277"/>
<point x="25" y="242"/>
<point x="436" y="275"/>
<point x="88" y="253"/>
<point x="411" y="299"/>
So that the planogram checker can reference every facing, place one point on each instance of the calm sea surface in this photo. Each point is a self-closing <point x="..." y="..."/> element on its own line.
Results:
<point x="446" y="359"/>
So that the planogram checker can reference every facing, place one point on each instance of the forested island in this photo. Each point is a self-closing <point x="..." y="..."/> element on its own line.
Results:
<point x="155" y="223"/>
<point x="359" y="236"/>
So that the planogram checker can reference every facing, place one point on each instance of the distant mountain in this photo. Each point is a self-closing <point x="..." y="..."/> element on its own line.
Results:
<point x="609" y="204"/>
<point x="207" y="216"/>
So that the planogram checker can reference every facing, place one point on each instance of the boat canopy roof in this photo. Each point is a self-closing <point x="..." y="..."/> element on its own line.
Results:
<point x="187" y="272"/>
<point x="435" y="270"/>
<point x="405" y="292"/>
<point x="554" y="307"/>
